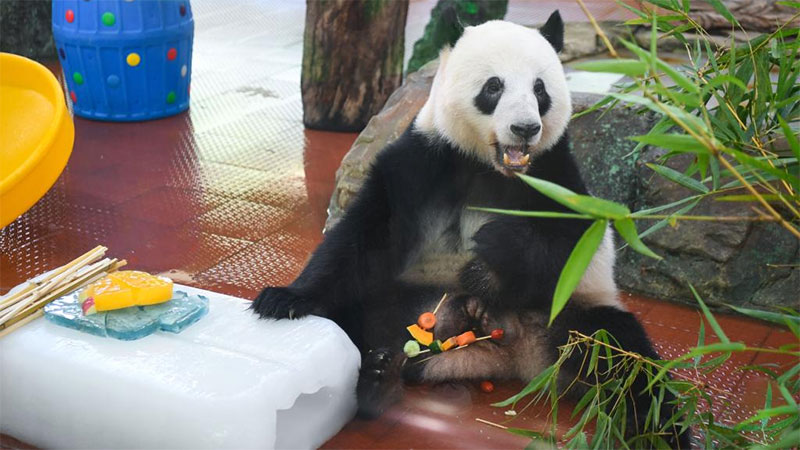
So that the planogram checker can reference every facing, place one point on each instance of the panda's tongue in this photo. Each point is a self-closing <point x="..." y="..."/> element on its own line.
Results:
<point x="514" y="157"/>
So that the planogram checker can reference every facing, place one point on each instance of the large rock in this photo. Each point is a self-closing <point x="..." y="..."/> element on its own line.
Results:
<point x="25" y="29"/>
<point x="742" y="263"/>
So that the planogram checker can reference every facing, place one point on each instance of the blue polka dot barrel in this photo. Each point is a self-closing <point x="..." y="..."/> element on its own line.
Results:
<point x="125" y="60"/>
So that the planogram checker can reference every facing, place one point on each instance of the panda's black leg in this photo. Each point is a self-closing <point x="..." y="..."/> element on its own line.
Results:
<point x="631" y="337"/>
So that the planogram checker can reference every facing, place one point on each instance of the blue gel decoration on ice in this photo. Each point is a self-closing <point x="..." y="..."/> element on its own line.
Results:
<point x="132" y="323"/>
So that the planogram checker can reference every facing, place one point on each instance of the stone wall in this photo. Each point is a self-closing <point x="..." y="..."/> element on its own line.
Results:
<point x="25" y="28"/>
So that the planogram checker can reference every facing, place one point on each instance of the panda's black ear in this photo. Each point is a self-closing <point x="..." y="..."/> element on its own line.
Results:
<point x="553" y="31"/>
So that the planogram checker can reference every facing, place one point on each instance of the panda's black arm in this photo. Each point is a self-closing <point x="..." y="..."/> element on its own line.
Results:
<point x="518" y="260"/>
<point x="353" y="254"/>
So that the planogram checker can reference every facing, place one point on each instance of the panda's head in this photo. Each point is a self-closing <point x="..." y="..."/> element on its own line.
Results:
<point x="500" y="94"/>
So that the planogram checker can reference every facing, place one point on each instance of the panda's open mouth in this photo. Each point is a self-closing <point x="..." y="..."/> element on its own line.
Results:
<point x="514" y="158"/>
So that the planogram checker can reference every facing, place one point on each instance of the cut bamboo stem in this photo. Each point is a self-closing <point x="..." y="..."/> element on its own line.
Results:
<point x="28" y="303"/>
<point x="21" y="323"/>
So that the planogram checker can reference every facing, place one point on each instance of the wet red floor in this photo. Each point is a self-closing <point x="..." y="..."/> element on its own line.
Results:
<point x="232" y="196"/>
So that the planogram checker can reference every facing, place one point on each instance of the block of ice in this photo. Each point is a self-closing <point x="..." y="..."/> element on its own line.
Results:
<point x="131" y="323"/>
<point x="228" y="381"/>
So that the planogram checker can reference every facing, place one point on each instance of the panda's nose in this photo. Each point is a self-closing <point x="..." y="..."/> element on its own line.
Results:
<point x="525" y="130"/>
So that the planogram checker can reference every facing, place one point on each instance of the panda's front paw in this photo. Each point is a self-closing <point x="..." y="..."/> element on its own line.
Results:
<point x="281" y="303"/>
<point x="477" y="279"/>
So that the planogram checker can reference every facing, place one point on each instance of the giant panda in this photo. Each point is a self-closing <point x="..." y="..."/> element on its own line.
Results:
<point x="498" y="106"/>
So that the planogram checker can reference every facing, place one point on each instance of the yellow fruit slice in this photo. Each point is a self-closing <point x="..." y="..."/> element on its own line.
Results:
<point x="147" y="289"/>
<point x="123" y="289"/>
<point x="422" y="336"/>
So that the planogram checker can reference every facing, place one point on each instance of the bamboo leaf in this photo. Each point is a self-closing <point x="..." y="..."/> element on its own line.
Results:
<point x="791" y="138"/>
<point x="629" y="67"/>
<point x="678" y="142"/>
<point x="627" y="229"/>
<point x="701" y="340"/>
<point x="525" y="433"/>
<point x="768" y="413"/>
<point x="787" y="396"/>
<point x="717" y="347"/>
<point x="773" y="198"/>
<point x="718" y="81"/>
<point x="765" y="315"/>
<point x="542" y="214"/>
<point x="710" y="317"/>
<point x="663" y="222"/>
<point x="690" y="120"/>
<point x="789" y="439"/>
<point x="677" y="77"/>
<point x="576" y="266"/>
<point x="748" y="160"/>
<point x="537" y="383"/>
<point x="677" y="177"/>
<point x="587" y="397"/>
<point x="723" y="10"/>
<point x="655" y="209"/>
<point x="596" y="207"/>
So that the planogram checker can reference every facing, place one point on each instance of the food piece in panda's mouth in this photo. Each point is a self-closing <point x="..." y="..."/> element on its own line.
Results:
<point x="514" y="158"/>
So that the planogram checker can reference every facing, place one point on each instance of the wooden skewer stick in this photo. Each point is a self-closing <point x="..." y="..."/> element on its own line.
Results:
<point x="440" y="303"/>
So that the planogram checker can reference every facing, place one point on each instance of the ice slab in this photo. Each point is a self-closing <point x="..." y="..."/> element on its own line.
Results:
<point x="130" y="323"/>
<point x="228" y="381"/>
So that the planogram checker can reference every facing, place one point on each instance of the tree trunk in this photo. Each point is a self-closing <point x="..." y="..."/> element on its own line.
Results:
<point x="756" y="15"/>
<point x="352" y="60"/>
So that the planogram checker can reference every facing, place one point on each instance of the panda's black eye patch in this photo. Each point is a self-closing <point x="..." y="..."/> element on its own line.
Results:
<point x="541" y="96"/>
<point x="487" y="98"/>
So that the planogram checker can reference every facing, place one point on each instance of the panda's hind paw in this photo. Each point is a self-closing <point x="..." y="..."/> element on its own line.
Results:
<point x="379" y="383"/>
<point x="281" y="303"/>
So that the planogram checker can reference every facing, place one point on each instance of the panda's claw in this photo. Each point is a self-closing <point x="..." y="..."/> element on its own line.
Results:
<point x="281" y="303"/>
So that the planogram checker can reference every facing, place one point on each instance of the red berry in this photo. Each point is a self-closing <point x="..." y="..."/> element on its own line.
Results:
<point x="487" y="386"/>
<point x="498" y="334"/>
<point x="70" y="16"/>
<point x="172" y="54"/>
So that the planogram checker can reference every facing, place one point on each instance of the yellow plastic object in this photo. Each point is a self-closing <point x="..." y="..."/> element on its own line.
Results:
<point x="422" y="336"/>
<point x="36" y="134"/>
<point x="123" y="289"/>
